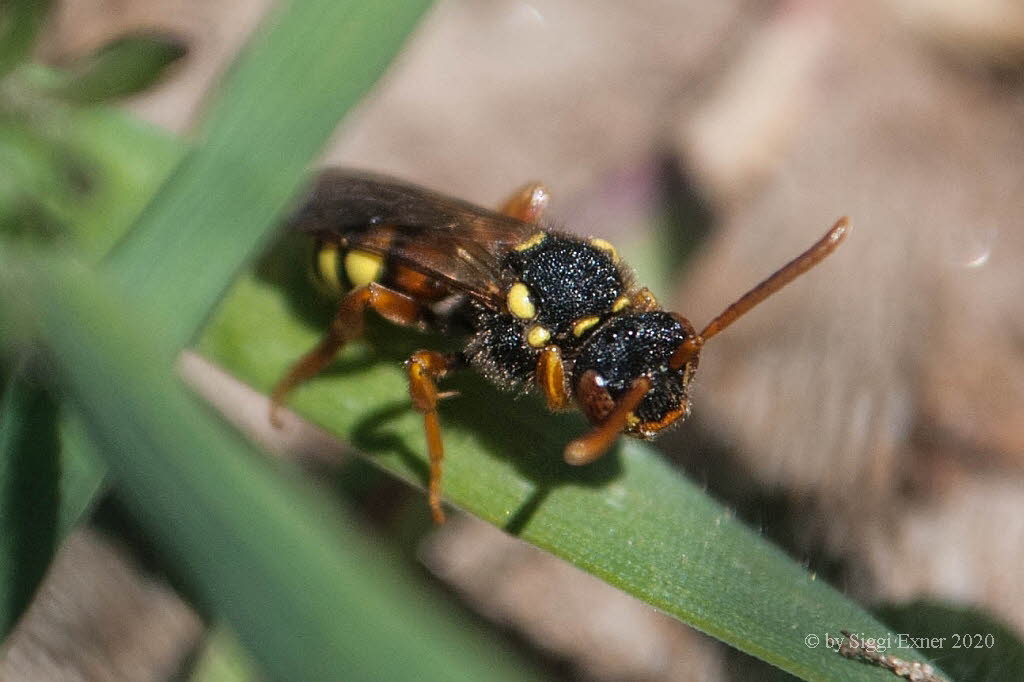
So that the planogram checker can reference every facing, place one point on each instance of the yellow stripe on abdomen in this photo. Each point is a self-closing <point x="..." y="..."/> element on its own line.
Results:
<point x="363" y="267"/>
<point x="325" y="269"/>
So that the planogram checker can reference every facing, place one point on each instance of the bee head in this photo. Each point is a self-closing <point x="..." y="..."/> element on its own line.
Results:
<point x="634" y="371"/>
<point x="633" y="349"/>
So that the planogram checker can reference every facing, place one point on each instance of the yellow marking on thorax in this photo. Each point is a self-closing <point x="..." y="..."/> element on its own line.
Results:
<point x="537" y="336"/>
<point x="327" y="268"/>
<point x="530" y="242"/>
<point x="583" y="325"/>
<point x="621" y="303"/>
<point x="519" y="302"/>
<point x="606" y="247"/>
<point x="363" y="267"/>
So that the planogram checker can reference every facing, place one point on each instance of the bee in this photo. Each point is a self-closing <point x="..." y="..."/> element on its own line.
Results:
<point x="542" y="309"/>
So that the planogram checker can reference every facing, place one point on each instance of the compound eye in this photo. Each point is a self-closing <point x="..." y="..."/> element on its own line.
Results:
<point x="593" y="396"/>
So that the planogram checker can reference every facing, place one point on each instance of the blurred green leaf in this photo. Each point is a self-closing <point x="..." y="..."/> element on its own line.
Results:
<point x="43" y="495"/>
<point x="82" y="182"/>
<point x="971" y="645"/>
<point x="28" y="183"/>
<point x="280" y="102"/>
<point x="90" y="171"/>
<point x="48" y="479"/>
<point x="223" y="660"/>
<point x="82" y="473"/>
<point x="76" y="177"/>
<point x="629" y="519"/>
<point x="113" y="165"/>
<point x="29" y="495"/>
<point x="259" y="546"/>
<point x="125" y="66"/>
<point x="19" y="22"/>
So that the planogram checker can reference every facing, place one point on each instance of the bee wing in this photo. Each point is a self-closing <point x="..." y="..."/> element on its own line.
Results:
<point x="452" y="240"/>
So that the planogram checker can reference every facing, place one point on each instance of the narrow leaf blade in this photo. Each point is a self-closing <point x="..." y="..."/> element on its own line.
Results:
<point x="29" y="494"/>
<point x="629" y="519"/>
<point x="19" y="23"/>
<point x="263" y="550"/>
<point x="125" y="66"/>
<point x="282" y="99"/>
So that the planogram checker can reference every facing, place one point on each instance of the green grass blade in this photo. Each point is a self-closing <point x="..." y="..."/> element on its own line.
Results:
<point x="262" y="549"/>
<point x="19" y="22"/>
<point x="275" y="110"/>
<point x="29" y="495"/>
<point x="223" y="659"/>
<point x="629" y="519"/>
<point x="48" y="479"/>
<point x="82" y="472"/>
<point x="294" y="50"/>
<point x="125" y="66"/>
<point x="123" y="162"/>
<point x="88" y="178"/>
<point x="43" y="492"/>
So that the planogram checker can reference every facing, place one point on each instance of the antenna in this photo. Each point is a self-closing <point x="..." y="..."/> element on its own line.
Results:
<point x="783" y="276"/>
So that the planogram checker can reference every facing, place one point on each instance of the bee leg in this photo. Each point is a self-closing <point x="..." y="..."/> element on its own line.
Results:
<point x="425" y="367"/>
<point x="528" y="203"/>
<point x="347" y="325"/>
<point x="550" y="377"/>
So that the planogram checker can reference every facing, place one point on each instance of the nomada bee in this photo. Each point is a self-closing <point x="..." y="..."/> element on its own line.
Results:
<point x="542" y="309"/>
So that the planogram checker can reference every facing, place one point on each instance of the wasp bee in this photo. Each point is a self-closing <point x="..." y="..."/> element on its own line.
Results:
<point x="542" y="309"/>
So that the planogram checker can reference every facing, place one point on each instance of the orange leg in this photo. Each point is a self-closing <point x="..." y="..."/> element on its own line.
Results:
<point x="528" y="203"/>
<point x="347" y="325"/>
<point x="550" y="377"/>
<point x="425" y="367"/>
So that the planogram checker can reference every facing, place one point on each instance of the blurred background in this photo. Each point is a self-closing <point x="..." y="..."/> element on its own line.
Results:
<point x="869" y="420"/>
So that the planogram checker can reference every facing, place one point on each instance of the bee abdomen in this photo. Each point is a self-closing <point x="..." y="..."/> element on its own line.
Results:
<point x="337" y="269"/>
